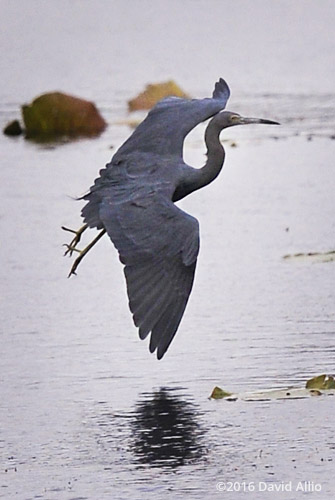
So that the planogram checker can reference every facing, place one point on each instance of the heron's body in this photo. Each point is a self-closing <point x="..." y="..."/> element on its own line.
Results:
<point x="133" y="201"/>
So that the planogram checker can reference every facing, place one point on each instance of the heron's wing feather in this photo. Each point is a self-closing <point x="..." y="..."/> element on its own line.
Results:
<point x="164" y="129"/>
<point x="158" y="243"/>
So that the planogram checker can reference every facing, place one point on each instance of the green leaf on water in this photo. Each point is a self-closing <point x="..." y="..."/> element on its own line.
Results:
<point x="218" y="393"/>
<point x="330" y="383"/>
<point x="315" y="382"/>
<point x="321" y="382"/>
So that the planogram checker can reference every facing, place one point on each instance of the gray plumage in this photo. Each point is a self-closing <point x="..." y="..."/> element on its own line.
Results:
<point x="133" y="200"/>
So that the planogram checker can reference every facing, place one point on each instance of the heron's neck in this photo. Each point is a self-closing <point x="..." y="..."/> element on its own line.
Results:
<point x="215" y="155"/>
<point x="200" y="177"/>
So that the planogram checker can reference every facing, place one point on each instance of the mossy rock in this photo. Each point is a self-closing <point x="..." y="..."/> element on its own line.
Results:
<point x="56" y="114"/>
<point x="154" y="93"/>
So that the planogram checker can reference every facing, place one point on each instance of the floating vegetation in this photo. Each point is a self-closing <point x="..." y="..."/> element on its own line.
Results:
<point x="312" y="256"/>
<point x="316" y="386"/>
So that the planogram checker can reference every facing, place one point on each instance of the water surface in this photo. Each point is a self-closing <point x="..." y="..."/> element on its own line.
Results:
<point x="86" y="411"/>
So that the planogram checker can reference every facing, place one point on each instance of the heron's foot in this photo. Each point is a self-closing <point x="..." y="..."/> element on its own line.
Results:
<point x="83" y="252"/>
<point x="72" y="246"/>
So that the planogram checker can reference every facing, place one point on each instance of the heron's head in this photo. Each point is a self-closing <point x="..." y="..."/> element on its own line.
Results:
<point x="228" y="119"/>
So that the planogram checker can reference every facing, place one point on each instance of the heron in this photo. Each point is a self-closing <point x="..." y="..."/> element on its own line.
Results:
<point x="133" y="201"/>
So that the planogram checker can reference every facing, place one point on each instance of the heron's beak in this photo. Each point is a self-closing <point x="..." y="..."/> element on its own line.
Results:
<point x="247" y="121"/>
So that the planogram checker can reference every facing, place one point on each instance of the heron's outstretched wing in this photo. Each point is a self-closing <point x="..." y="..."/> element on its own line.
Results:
<point x="164" y="129"/>
<point x="158" y="243"/>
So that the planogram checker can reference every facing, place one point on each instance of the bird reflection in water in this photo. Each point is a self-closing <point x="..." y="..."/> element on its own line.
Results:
<point x="166" y="431"/>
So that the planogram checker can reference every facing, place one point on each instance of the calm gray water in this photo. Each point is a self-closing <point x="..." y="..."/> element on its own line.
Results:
<point x="85" y="411"/>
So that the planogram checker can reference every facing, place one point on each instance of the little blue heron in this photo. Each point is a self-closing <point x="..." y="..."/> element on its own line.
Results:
<point x="133" y="201"/>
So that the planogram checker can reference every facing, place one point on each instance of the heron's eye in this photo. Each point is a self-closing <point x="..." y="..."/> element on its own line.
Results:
<point x="234" y="118"/>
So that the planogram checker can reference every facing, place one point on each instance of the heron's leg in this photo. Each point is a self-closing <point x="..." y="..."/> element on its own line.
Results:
<point x="72" y="246"/>
<point x="82" y="253"/>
